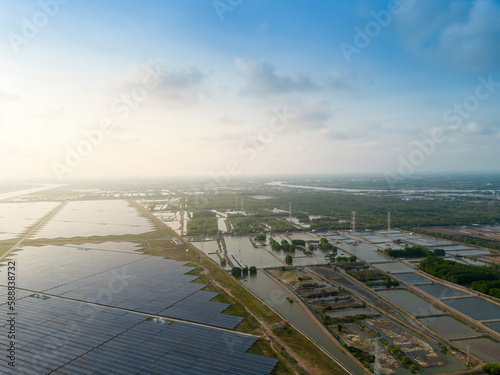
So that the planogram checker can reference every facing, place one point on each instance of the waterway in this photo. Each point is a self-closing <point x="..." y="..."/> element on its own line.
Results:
<point x="275" y="296"/>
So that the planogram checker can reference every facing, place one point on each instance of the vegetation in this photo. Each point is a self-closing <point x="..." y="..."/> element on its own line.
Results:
<point x="253" y="270"/>
<point x="462" y="239"/>
<point x="203" y="213"/>
<point x="462" y="273"/>
<point x="492" y="368"/>
<point x="223" y="262"/>
<point x="202" y="225"/>
<point x="275" y="245"/>
<point x="439" y="253"/>
<point x="236" y="272"/>
<point x="408" y="252"/>
<point x="337" y="207"/>
<point x="285" y="245"/>
<point x="324" y="244"/>
<point x="299" y="242"/>
<point x="394" y="349"/>
<point x="489" y="287"/>
<point x="361" y="355"/>
<point x="260" y="237"/>
<point x="288" y="259"/>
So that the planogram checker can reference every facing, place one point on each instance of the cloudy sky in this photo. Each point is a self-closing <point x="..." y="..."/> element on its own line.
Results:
<point x="122" y="88"/>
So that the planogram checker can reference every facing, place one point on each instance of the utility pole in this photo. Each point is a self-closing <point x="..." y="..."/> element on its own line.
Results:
<point x="389" y="224"/>
<point x="354" y="221"/>
<point x="290" y="211"/>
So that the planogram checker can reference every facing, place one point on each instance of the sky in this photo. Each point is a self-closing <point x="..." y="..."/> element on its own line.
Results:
<point x="154" y="88"/>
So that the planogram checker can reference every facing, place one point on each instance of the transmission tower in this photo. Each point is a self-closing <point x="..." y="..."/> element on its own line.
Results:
<point x="354" y="221"/>
<point x="389" y="223"/>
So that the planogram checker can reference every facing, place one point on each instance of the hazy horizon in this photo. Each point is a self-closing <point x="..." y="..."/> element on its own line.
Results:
<point x="145" y="90"/>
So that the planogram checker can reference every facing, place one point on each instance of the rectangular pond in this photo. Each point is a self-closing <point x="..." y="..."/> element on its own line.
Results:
<point x="364" y="251"/>
<point x="441" y="291"/>
<point x="448" y="327"/>
<point x="394" y="267"/>
<point x="495" y="326"/>
<point x="482" y="348"/>
<point x="410" y="302"/>
<point x="411" y="277"/>
<point x="475" y="307"/>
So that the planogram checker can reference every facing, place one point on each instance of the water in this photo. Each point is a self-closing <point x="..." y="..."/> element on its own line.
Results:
<point x="364" y="251"/>
<point x="394" y="267"/>
<point x="455" y="247"/>
<point x="441" y="291"/>
<point x="495" y="326"/>
<point x="242" y="249"/>
<point x="410" y="302"/>
<point x="468" y="252"/>
<point x="302" y="236"/>
<point x="483" y="348"/>
<point x="221" y="224"/>
<point x="475" y="307"/>
<point x="411" y="277"/>
<point x="209" y="248"/>
<point x="448" y="327"/>
<point x="275" y="296"/>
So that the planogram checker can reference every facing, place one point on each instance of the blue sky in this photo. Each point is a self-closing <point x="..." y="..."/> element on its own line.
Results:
<point x="227" y="66"/>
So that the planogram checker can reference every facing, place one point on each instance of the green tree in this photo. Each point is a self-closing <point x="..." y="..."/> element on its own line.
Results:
<point x="339" y="328"/>
<point x="492" y="368"/>
<point x="253" y="270"/>
<point x="289" y="259"/>
<point x="236" y="272"/>
<point x="223" y="262"/>
<point x="245" y="271"/>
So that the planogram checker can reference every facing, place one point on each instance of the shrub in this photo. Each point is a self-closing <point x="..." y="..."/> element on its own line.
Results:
<point x="236" y="272"/>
